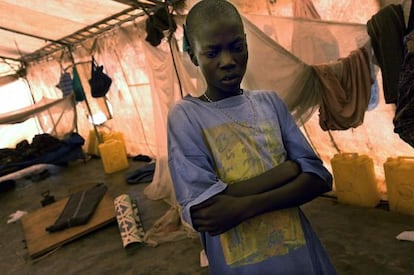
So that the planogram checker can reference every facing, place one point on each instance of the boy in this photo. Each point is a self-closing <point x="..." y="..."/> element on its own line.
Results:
<point x="240" y="166"/>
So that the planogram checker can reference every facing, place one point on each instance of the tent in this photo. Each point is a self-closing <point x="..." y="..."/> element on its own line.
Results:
<point x="49" y="38"/>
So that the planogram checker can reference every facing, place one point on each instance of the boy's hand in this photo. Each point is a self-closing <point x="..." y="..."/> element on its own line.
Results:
<point x="219" y="213"/>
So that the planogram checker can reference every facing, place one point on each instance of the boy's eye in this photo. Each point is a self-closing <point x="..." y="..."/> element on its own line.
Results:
<point x="211" y="54"/>
<point x="239" y="47"/>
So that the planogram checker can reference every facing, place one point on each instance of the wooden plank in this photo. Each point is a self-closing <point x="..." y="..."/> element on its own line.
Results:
<point x="39" y="241"/>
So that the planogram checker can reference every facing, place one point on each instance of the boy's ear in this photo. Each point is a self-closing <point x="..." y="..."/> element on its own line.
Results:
<point x="192" y="56"/>
<point x="187" y="47"/>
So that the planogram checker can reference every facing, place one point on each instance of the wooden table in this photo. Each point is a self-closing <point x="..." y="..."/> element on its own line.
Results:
<point x="39" y="241"/>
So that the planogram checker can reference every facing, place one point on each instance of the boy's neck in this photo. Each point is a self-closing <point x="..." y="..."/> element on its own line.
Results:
<point x="207" y="96"/>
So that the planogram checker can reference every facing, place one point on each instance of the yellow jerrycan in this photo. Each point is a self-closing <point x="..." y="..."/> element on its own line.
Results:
<point x="91" y="144"/>
<point x="355" y="181"/>
<point x="399" y="179"/>
<point x="92" y="141"/>
<point x="113" y="155"/>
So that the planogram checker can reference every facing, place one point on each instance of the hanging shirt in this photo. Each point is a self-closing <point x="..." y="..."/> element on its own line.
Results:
<point x="211" y="145"/>
<point x="386" y="29"/>
<point x="403" y="119"/>
<point x="346" y="91"/>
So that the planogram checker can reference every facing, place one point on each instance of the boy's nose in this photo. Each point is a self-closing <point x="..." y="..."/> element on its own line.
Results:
<point x="226" y="59"/>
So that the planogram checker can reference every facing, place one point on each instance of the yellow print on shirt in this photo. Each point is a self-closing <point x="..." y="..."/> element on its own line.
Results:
<point x="238" y="156"/>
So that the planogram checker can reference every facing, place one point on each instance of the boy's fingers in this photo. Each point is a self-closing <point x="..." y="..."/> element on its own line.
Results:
<point x="201" y="205"/>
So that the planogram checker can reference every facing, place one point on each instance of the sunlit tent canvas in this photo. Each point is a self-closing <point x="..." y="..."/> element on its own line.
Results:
<point x="290" y="41"/>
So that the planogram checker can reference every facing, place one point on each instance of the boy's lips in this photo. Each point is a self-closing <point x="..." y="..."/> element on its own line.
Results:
<point x="230" y="79"/>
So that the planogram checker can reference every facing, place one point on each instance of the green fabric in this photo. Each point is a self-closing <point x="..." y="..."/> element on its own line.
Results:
<point x="77" y="86"/>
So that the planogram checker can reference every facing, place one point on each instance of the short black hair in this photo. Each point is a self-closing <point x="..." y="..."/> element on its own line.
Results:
<point x="205" y="11"/>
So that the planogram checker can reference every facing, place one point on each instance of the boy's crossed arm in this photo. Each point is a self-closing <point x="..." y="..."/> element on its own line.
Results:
<point x="283" y="186"/>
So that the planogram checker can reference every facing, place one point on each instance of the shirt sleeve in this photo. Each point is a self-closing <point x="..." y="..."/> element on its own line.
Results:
<point x="191" y="167"/>
<point x="297" y="147"/>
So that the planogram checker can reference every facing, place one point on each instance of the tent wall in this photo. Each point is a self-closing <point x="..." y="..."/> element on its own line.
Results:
<point x="322" y="42"/>
<point x="145" y="83"/>
<point x="144" y="87"/>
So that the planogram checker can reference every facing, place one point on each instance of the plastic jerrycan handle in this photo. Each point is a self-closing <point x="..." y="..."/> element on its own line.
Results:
<point x="406" y="158"/>
<point x="349" y="155"/>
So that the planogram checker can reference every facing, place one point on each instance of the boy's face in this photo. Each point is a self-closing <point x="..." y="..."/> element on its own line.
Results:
<point x="220" y="49"/>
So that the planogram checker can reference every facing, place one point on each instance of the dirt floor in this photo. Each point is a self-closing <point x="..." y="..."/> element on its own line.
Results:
<point x="359" y="240"/>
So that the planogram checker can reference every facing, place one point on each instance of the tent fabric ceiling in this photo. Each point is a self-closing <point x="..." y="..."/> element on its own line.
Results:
<point x="29" y="27"/>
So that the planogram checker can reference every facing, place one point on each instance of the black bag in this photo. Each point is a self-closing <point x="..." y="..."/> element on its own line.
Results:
<point x="156" y="24"/>
<point x="99" y="81"/>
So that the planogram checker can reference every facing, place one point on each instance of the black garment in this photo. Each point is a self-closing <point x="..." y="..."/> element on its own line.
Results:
<point x="156" y="24"/>
<point x="79" y="208"/>
<point x="44" y="149"/>
<point x="143" y="158"/>
<point x="386" y="30"/>
<point x="100" y="82"/>
<point x="41" y="144"/>
<point x="404" y="119"/>
<point x="410" y="24"/>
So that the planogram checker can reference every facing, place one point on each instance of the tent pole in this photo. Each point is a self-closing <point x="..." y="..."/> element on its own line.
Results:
<point x="99" y="138"/>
